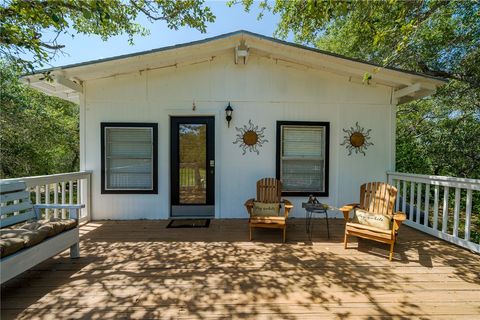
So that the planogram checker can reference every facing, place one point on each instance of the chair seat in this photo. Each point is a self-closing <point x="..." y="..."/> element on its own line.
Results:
<point x="268" y="220"/>
<point x="360" y="228"/>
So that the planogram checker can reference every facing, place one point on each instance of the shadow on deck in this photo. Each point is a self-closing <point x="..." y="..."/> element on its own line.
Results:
<point x="140" y="269"/>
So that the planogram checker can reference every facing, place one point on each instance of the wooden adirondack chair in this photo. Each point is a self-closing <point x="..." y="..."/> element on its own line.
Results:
<point x="377" y="201"/>
<point x="269" y="190"/>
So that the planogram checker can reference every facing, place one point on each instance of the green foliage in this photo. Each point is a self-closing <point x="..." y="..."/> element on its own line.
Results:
<point x="437" y="37"/>
<point x="24" y="24"/>
<point x="441" y="135"/>
<point x="38" y="134"/>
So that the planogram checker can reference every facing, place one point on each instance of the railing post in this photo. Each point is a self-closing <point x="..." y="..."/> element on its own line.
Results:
<point x="38" y="197"/>
<point x="47" y="200"/>
<point x="456" y="212"/>
<point x="435" y="207"/>
<point x="445" y="210"/>
<point x="468" y="214"/>
<point x="64" y="214"/>
<point x="88" y="198"/>
<point x="412" y="195"/>
<point x="427" y="205"/>
<point x="55" y="199"/>
<point x="419" y="203"/>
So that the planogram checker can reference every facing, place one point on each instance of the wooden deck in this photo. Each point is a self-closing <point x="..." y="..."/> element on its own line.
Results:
<point x="140" y="269"/>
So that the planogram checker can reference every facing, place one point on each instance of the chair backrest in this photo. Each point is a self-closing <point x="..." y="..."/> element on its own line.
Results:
<point x="15" y="204"/>
<point x="269" y="190"/>
<point x="378" y="197"/>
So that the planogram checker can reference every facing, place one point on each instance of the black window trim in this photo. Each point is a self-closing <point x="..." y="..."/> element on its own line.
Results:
<point x="324" y="193"/>
<point x="154" y="126"/>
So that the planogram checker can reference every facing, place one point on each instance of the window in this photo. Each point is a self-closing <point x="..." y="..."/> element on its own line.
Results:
<point x="129" y="157"/>
<point x="302" y="157"/>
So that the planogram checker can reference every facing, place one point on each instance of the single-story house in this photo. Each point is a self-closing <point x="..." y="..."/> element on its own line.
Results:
<point x="154" y="129"/>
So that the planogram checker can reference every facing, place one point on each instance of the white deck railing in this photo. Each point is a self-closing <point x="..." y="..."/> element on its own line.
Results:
<point x="63" y="188"/>
<point x="430" y="207"/>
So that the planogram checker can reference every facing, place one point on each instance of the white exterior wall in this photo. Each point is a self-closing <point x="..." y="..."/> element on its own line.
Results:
<point x="262" y="91"/>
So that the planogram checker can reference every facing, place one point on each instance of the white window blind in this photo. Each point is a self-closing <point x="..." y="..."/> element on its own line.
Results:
<point x="303" y="158"/>
<point x="128" y="158"/>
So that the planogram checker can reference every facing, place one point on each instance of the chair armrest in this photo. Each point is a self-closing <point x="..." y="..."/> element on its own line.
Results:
<point x="288" y="207"/>
<point x="347" y="208"/>
<point x="72" y="209"/>
<point x="249" y="205"/>
<point x="288" y="204"/>
<point x="398" y="218"/>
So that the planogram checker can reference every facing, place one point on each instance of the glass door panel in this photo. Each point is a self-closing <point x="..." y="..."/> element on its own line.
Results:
<point x="192" y="163"/>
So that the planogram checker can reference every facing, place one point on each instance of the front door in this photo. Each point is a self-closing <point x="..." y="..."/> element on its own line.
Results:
<point x="192" y="166"/>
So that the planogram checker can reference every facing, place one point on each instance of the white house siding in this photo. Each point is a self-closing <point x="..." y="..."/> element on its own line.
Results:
<point x="262" y="90"/>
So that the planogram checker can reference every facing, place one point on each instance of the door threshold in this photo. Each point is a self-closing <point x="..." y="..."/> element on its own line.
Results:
<point x="191" y="217"/>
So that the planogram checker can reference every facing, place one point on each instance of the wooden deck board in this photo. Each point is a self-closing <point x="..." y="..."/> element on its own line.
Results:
<point x="140" y="269"/>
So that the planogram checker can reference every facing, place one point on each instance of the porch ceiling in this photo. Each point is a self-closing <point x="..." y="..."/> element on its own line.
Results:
<point x="207" y="49"/>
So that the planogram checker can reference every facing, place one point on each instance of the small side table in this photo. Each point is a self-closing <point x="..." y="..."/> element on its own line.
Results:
<point x="310" y="209"/>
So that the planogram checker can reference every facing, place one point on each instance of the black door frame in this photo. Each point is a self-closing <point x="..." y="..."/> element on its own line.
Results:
<point x="175" y="121"/>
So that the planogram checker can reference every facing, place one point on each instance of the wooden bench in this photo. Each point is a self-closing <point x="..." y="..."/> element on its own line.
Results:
<point x="53" y="236"/>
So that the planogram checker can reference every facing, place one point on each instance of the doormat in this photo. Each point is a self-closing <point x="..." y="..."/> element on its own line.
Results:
<point x="189" y="223"/>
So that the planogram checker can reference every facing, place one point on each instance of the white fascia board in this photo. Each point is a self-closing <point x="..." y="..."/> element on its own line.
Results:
<point x="407" y="91"/>
<point x="61" y="80"/>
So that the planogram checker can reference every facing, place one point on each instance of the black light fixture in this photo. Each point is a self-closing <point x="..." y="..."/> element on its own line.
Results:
<point x="228" y="111"/>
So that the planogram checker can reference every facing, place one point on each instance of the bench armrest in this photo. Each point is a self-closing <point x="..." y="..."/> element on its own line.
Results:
<point x="72" y="209"/>
<point x="347" y="208"/>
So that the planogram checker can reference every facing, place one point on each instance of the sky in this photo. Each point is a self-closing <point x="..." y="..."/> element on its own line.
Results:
<point x="83" y="48"/>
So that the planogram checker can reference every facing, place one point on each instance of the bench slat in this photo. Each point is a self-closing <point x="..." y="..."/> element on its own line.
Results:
<point x="12" y="186"/>
<point x="17" y="219"/>
<point x="25" y="205"/>
<point x="14" y="196"/>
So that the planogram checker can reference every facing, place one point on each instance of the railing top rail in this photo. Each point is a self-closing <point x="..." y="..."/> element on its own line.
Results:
<point x="435" y="178"/>
<point x="52" y="178"/>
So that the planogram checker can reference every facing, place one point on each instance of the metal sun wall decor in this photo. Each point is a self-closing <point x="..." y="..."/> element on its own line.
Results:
<point x="356" y="138"/>
<point x="250" y="137"/>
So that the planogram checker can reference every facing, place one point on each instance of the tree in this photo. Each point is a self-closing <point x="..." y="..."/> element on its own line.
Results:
<point x="25" y="24"/>
<point x="436" y="37"/>
<point x="38" y="134"/>
<point x="441" y="135"/>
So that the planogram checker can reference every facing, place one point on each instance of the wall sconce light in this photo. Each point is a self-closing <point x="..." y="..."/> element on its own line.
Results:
<point x="228" y="112"/>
